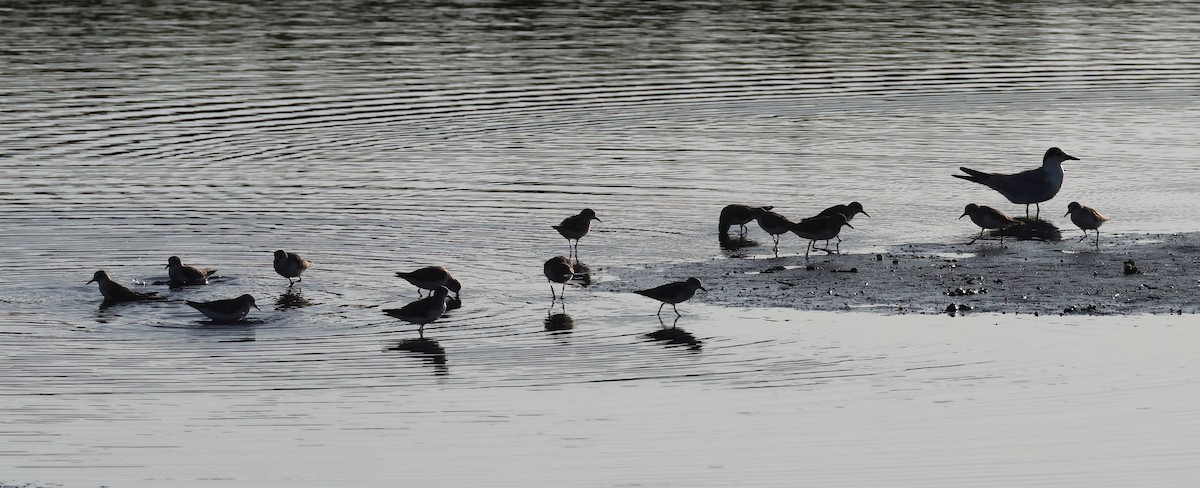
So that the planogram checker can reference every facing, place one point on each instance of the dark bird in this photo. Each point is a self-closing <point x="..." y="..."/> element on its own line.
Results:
<point x="225" y="311"/>
<point x="819" y="229"/>
<point x="1030" y="187"/>
<point x="738" y="215"/>
<point x="116" y="293"/>
<point x="430" y="278"/>
<point x="290" y="265"/>
<point x="673" y="293"/>
<point x="854" y="208"/>
<point x="558" y="269"/>
<point x="1086" y="218"/>
<point x="774" y="224"/>
<point x="988" y="218"/>
<point x="182" y="274"/>
<point x="575" y="227"/>
<point x="423" y="311"/>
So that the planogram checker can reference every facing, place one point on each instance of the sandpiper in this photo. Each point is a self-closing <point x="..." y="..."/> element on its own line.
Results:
<point x="1086" y="218"/>
<point x="558" y="269"/>
<point x="819" y="229"/>
<point x="774" y="224"/>
<point x="230" y="310"/>
<point x="182" y="274"/>
<point x="290" y="265"/>
<point x="575" y="227"/>
<point x="430" y="278"/>
<point x="423" y="311"/>
<point x="854" y="208"/>
<point x="1028" y="187"/>
<point x="115" y="292"/>
<point x="988" y="218"/>
<point x="739" y="215"/>
<point x="673" y="293"/>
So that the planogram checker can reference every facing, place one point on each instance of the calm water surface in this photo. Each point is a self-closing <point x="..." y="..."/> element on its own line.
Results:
<point x="374" y="137"/>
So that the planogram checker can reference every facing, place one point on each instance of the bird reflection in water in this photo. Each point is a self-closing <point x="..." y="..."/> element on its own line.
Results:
<point x="559" y="322"/>
<point x="674" y="336"/>
<point x="427" y="349"/>
<point x="736" y="243"/>
<point x="583" y="274"/>
<point x="292" y="298"/>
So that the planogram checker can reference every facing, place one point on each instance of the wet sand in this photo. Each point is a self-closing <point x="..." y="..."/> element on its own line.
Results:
<point x="1024" y="277"/>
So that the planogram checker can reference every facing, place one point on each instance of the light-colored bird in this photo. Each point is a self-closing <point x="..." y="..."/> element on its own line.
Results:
<point x="1086" y="218"/>
<point x="430" y="278"/>
<point x="423" y="311"/>
<point x="774" y="224"/>
<point x="673" y="293"/>
<point x="988" y="218"/>
<point x="575" y="227"/>
<point x="850" y="210"/>
<point x="225" y="311"/>
<point x="115" y="292"/>
<point x="819" y="229"/>
<point x="1027" y="187"/>
<point x="558" y="269"/>
<point x="738" y="215"/>
<point x="182" y="274"/>
<point x="290" y="265"/>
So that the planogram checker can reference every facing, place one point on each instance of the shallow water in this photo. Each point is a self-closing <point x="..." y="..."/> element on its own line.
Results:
<point x="373" y="138"/>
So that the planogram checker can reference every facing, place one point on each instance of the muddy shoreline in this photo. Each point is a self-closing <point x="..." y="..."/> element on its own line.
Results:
<point x="1022" y="277"/>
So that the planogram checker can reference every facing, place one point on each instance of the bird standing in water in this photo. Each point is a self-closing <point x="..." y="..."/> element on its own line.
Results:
<point x="1030" y="187"/>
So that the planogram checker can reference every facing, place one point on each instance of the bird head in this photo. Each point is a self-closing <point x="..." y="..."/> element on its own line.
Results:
<point x="590" y="214"/>
<point x="695" y="283"/>
<point x="970" y="209"/>
<point x="99" y="276"/>
<point x="173" y="261"/>
<point x="1055" y="155"/>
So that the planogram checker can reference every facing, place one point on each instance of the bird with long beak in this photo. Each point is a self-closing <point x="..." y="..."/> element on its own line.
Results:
<point x="988" y="218"/>
<point x="1030" y="187"/>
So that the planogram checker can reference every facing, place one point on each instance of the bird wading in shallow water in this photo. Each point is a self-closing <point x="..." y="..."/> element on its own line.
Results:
<point x="558" y="269"/>
<point x="1086" y="218"/>
<point x="738" y="215"/>
<point x="225" y="311"/>
<point x="1030" y="187"/>
<point x="774" y="224"/>
<point x="430" y="278"/>
<point x="117" y="293"/>
<point x="423" y="311"/>
<point x="673" y="293"/>
<point x="290" y="265"/>
<point x="575" y="227"/>
<point x="850" y="210"/>
<point x="819" y="229"/>
<point x="182" y="274"/>
<point x="988" y="218"/>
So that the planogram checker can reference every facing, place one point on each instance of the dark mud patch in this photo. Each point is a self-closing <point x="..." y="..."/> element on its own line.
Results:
<point x="1129" y="274"/>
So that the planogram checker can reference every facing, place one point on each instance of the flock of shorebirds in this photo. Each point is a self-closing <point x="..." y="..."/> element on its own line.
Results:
<point x="1030" y="187"/>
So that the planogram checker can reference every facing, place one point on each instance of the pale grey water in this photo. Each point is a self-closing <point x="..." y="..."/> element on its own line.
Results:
<point x="374" y="137"/>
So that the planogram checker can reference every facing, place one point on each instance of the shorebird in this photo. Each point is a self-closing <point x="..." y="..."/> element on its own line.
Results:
<point x="854" y="208"/>
<point x="290" y="265"/>
<point x="575" y="227"/>
<point x="182" y="274"/>
<point x="115" y="292"/>
<point x="673" y="293"/>
<point x="430" y="278"/>
<point x="1028" y="187"/>
<point x="558" y="269"/>
<point x="988" y="218"/>
<point x="774" y="224"/>
<point x="819" y="229"/>
<point x="1086" y="218"/>
<point x="739" y="215"/>
<point x="423" y="311"/>
<point x="226" y="311"/>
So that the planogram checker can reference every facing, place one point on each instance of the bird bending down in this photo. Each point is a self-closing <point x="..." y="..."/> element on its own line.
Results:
<point x="115" y="292"/>
<point x="1027" y="187"/>
<point x="673" y="293"/>
<point x="1086" y="218"/>
<point x="988" y="218"/>
<point x="774" y="224"/>
<point x="854" y="208"/>
<point x="225" y="311"/>
<point x="575" y="227"/>
<point x="819" y="229"/>
<point x="423" y="311"/>
<point x="182" y="274"/>
<point x="290" y="265"/>
<point x="558" y="269"/>
<point x="430" y="278"/>
<point x="739" y="215"/>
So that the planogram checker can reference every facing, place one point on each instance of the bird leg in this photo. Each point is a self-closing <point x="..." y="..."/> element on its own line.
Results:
<point x="677" y="314"/>
<point x="1085" y="236"/>
<point x="661" y="306"/>
<point x="976" y="237"/>
<point x="807" y="249"/>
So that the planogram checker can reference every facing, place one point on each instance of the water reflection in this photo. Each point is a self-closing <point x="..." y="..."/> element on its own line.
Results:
<point x="292" y="298"/>
<point x="583" y="274"/>
<point x="559" y="322"/>
<point x="427" y="349"/>
<point x="675" y="336"/>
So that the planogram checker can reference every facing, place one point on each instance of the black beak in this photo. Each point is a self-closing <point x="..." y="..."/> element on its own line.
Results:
<point x="867" y="214"/>
<point x="93" y="280"/>
<point x="847" y="224"/>
<point x="961" y="216"/>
